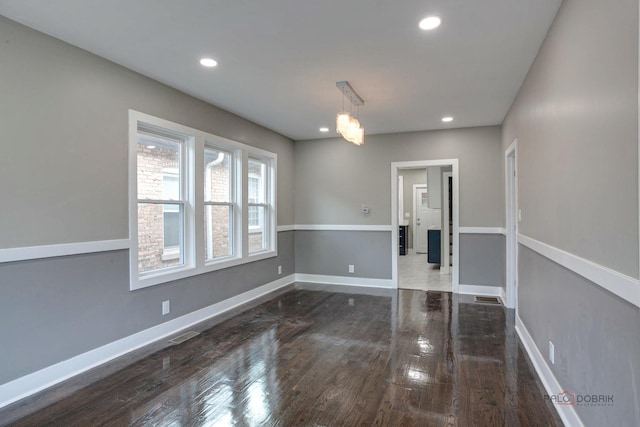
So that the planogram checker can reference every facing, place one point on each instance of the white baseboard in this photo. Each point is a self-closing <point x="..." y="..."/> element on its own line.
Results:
<point x="344" y="280"/>
<point x="482" y="230"/>
<point x="567" y="413"/>
<point x="489" y="291"/>
<point x="341" y="227"/>
<point x="37" y="381"/>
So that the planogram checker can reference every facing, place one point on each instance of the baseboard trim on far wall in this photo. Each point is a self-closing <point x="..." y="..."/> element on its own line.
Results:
<point x="567" y="413"/>
<point x="619" y="284"/>
<point x="334" y="227"/>
<point x="341" y="227"/>
<point x="344" y="280"/>
<point x="37" y="381"/>
<point x="482" y="230"/>
<point x="64" y="249"/>
<point x="483" y="290"/>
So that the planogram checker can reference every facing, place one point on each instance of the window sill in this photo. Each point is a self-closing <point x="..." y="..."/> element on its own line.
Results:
<point x="176" y="273"/>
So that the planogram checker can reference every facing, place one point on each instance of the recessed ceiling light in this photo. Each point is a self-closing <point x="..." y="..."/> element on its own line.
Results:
<point x="323" y="129"/>
<point x="208" y="62"/>
<point x="447" y="119"/>
<point x="430" y="23"/>
<point x="152" y="146"/>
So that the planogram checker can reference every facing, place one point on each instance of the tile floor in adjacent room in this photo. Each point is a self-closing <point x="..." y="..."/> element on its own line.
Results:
<point x="414" y="272"/>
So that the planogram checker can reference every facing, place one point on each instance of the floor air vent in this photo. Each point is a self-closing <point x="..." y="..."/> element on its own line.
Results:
<point x="184" y="337"/>
<point x="487" y="300"/>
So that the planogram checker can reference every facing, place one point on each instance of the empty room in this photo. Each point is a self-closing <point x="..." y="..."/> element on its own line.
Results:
<point x="332" y="213"/>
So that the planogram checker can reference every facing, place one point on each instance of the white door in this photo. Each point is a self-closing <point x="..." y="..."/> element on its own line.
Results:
<point x="424" y="219"/>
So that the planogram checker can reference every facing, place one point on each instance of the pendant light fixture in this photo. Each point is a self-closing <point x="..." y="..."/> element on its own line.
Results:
<point x="346" y="124"/>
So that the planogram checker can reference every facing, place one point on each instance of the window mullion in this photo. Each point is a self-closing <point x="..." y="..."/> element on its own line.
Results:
<point x="197" y="182"/>
<point x="188" y="194"/>
<point x="243" y="201"/>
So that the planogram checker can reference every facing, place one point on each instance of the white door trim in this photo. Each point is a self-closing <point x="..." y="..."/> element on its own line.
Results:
<point x="445" y="266"/>
<point x="511" y="215"/>
<point x="420" y="164"/>
<point x="401" y="197"/>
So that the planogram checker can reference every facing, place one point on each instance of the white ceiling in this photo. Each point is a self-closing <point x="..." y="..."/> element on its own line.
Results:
<point x="279" y="60"/>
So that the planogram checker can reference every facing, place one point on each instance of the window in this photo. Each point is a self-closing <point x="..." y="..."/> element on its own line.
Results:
<point x="255" y="184"/>
<point x="160" y="205"/>
<point x="198" y="202"/>
<point x="258" y="205"/>
<point x="219" y="203"/>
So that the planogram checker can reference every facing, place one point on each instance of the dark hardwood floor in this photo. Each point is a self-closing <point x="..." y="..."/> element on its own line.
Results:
<point x="309" y="358"/>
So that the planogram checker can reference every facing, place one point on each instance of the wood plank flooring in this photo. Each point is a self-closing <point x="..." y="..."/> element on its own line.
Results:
<point x="309" y="358"/>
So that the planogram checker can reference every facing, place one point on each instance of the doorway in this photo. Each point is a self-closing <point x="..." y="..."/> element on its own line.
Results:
<point x="398" y="216"/>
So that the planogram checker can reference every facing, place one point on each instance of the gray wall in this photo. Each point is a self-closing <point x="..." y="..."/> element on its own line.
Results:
<point x="53" y="309"/>
<point x="64" y="123"/>
<point x="331" y="252"/>
<point x="482" y="259"/>
<point x="64" y="127"/>
<point x="576" y="119"/>
<point x="411" y="177"/>
<point x="595" y="335"/>
<point x="434" y="179"/>
<point x="334" y="177"/>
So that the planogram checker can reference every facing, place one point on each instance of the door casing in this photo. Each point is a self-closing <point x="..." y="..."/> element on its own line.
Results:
<point x="511" y="215"/>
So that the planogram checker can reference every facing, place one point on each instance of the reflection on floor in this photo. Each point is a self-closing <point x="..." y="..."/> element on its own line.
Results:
<point x="415" y="273"/>
<point x="407" y="358"/>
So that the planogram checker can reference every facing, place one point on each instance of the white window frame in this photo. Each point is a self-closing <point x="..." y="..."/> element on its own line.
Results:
<point x="194" y="257"/>
<point x="268" y="204"/>
<point x="185" y="202"/>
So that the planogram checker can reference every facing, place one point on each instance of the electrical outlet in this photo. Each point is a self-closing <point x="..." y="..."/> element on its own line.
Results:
<point x="166" y="307"/>
<point x="279" y="269"/>
<point x="552" y="353"/>
<point x="352" y="268"/>
<point x="351" y="302"/>
<point x="519" y="215"/>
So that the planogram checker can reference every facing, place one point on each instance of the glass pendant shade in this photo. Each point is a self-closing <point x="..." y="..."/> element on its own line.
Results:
<point x="346" y="125"/>
<point x="354" y="123"/>
<point x="342" y="123"/>
<point x="359" y="137"/>
<point x="352" y="130"/>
